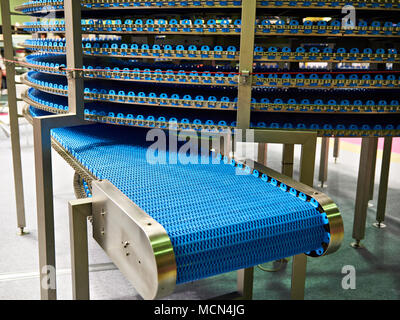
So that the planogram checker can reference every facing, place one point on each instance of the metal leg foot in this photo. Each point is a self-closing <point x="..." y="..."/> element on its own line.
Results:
<point x="357" y="244"/>
<point x="22" y="231"/>
<point x="379" y="225"/>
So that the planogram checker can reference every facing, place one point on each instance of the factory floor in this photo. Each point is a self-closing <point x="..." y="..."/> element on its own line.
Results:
<point x="377" y="266"/>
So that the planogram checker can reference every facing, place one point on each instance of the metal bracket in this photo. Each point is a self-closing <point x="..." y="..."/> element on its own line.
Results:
<point x="74" y="74"/>
<point x="137" y="244"/>
<point x="9" y="63"/>
<point x="244" y="77"/>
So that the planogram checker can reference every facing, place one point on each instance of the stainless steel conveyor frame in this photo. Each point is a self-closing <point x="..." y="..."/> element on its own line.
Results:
<point x="81" y="209"/>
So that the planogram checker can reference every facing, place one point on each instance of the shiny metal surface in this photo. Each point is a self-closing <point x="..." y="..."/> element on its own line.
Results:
<point x="79" y="211"/>
<point x="326" y="205"/>
<point x="384" y="181"/>
<point x="136" y="243"/>
<point x="13" y="115"/>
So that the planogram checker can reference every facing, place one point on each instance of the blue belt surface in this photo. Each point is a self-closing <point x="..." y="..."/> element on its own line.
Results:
<point x="218" y="221"/>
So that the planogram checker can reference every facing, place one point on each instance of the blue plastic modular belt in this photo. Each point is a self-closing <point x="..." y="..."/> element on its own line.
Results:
<point x="300" y="121"/>
<point x="217" y="221"/>
<point x="270" y="4"/>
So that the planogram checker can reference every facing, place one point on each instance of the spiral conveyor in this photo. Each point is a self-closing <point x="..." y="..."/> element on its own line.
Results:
<point x="176" y="65"/>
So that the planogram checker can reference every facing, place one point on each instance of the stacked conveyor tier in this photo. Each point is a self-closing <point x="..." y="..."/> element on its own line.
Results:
<point x="175" y="64"/>
<point x="353" y="91"/>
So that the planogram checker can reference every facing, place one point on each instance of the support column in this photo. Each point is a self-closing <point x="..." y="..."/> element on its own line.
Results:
<point x="42" y="150"/>
<point x="307" y="161"/>
<point x="13" y="115"/>
<point x="245" y="276"/>
<point x="372" y="181"/>
<point x="323" y="166"/>
<point x="45" y="214"/>
<point x="74" y="53"/>
<point x="226" y="143"/>
<point x="383" y="183"/>
<point x="245" y="279"/>
<point x="79" y="211"/>
<point x="298" y="277"/>
<point x="246" y="63"/>
<point x="262" y="153"/>
<point x="363" y="190"/>
<point x="336" y="148"/>
<point x="287" y="159"/>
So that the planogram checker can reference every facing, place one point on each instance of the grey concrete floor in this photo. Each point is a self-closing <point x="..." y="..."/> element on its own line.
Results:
<point x="377" y="266"/>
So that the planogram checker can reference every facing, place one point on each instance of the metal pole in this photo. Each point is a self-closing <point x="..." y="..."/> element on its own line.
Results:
<point x="298" y="277"/>
<point x="299" y="264"/>
<point x="323" y="166"/>
<point x="226" y="143"/>
<point x="13" y="114"/>
<point x="79" y="211"/>
<point x="43" y="167"/>
<point x="372" y="181"/>
<point x="44" y="202"/>
<point x="307" y="160"/>
<point x="384" y="181"/>
<point x="363" y="190"/>
<point x="287" y="159"/>
<point x="245" y="276"/>
<point x="246" y="63"/>
<point x="245" y="279"/>
<point x="262" y="153"/>
<point x="336" y="148"/>
<point x="74" y="53"/>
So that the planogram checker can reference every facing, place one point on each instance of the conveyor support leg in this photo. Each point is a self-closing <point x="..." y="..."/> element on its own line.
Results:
<point x="44" y="200"/>
<point x="246" y="63"/>
<point x="372" y="181"/>
<point x="336" y="148"/>
<point x="383" y="184"/>
<point x="245" y="279"/>
<point x="323" y="166"/>
<point x="13" y="114"/>
<point x="262" y="153"/>
<point x="288" y="159"/>
<point x="363" y="189"/>
<point x="298" y="277"/>
<point x="79" y="211"/>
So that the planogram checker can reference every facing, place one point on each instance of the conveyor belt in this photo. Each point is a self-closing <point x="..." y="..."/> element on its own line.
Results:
<point x="35" y="7"/>
<point x="227" y="76"/>
<point x="192" y="52"/>
<point x="227" y="26"/>
<point x="169" y="94"/>
<point x="352" y="125"/>
<point x="214" y="226"/>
